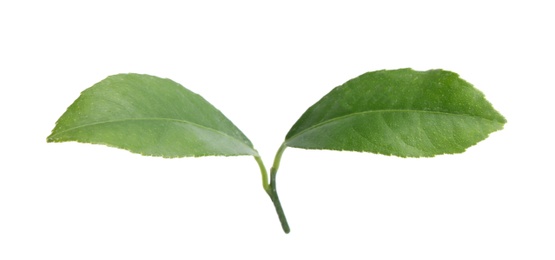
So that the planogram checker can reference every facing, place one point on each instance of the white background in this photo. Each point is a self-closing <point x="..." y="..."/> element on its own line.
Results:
<point x="263" y="64"/>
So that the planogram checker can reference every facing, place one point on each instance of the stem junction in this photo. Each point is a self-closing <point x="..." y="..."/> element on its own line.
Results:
<point x="270" y="187"/>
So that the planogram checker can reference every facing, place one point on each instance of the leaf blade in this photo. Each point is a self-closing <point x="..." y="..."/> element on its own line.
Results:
<point x="150" y="116"/>
<point x="401" y="112"/>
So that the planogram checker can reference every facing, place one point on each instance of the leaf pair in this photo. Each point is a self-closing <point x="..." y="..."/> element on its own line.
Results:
<point x="401" y="112"/>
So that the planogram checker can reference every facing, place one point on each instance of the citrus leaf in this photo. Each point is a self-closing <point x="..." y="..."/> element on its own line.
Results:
<point x="150" y="116"/>
<point x="401" y="112"/>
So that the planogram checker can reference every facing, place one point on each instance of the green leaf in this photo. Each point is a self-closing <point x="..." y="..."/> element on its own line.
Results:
<point x="150" y="116"/>
<point x="401" y="112"/>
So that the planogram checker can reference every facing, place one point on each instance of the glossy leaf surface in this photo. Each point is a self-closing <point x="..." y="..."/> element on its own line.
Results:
<point x="150" y="116"/>
<point x="402" y="112"/>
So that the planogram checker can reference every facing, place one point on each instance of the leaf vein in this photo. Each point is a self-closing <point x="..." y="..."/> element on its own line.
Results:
<point x="150" y="119"/>
<point x="381" y="111"/>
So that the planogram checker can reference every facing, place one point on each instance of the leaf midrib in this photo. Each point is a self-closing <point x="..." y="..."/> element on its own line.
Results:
<point x="151" y="119"/>
<point x="382" y="111"/>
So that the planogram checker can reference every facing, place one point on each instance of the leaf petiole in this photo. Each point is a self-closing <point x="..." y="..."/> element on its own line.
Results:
<point x="264" y="173"/>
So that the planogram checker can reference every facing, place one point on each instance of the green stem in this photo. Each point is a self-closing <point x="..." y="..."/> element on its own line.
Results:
<point x="277" y="204"/>
<point x="270" y="188"/>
